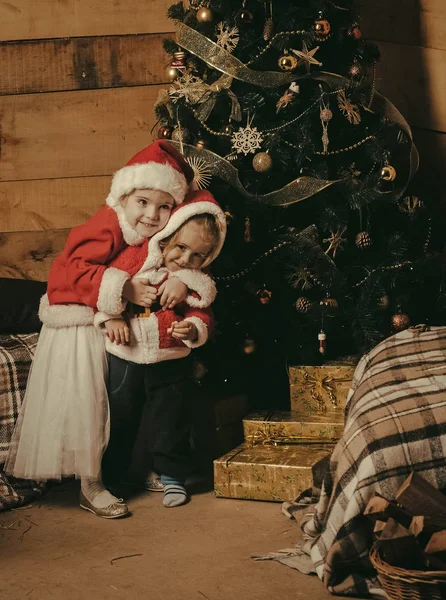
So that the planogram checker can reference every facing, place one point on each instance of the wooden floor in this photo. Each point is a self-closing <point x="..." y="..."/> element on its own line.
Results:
<point x="55" y="550"/>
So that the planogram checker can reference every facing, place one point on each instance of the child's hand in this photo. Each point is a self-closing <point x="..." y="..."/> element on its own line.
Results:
<point x="118" y="331"/>
<point x="183" y="330"/>
<point x="139" y="292"/>
<point x="172" y="292"/>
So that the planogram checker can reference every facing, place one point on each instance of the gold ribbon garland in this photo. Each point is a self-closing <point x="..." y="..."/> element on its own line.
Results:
<point x="300" y="189"/>
<point x="218" y="58"/>
<point x="209" y="98"/>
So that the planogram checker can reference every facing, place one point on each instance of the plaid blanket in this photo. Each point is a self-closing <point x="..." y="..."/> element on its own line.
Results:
<point x="16" y="354"/>
<point x="395" y="423"/>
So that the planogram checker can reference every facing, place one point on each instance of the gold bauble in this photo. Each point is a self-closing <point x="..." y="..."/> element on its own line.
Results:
<point x="400" y="321"/>
<point x="262" y="162"/>
<point x="388" y="173"/>
<point x="204" y="15"/>
<point x="201" y="144"/>
<point x="249" y="346"/>
<point x="288" y="62"/>
<point x="321" y="28"/>
<point x="229" y="217"/>
<point x="172" y="73"/>
<point x="180" y="134"/>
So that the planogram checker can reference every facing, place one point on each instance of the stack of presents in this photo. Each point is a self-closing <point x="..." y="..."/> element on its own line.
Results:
<point x="283" y="450"/>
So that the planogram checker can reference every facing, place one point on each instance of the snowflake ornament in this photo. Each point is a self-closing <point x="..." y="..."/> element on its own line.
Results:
<point x="227" y="37"/>
<point x="350" y="111"/>
<point x="189" y="87"/>
<point x="247" y="139"/>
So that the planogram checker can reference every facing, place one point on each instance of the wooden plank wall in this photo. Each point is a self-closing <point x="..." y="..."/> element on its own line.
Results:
<point x="78" y="80"/>
<point x="411" y="35"/>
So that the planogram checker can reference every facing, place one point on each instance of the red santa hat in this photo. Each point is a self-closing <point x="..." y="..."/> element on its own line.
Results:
<point x="197" y="202"/>
<point x="159" y="166"/>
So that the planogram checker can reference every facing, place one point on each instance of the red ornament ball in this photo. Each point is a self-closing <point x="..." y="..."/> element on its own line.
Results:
<point x="165" y="132"/>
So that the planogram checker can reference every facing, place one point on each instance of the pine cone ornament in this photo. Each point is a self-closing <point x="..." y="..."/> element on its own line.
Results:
<point x="303" y="305"/>
<point x="363" y="240"/>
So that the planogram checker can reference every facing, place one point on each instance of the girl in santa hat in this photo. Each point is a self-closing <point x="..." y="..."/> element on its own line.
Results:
<point x="63" y="425"/>
<point x="149" y="394"/>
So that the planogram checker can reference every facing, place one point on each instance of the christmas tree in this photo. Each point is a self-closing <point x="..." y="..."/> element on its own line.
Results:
<point x="275" y="105"/>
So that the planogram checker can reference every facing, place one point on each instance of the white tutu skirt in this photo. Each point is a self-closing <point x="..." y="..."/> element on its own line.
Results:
<point x="64" y="423"/>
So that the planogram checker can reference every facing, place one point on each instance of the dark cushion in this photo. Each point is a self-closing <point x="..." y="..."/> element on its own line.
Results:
<point x="19" y="305"/>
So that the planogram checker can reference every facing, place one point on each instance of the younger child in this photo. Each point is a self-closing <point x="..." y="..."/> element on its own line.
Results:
<point x="150" y="395"/>
<point x="63" y="426"/>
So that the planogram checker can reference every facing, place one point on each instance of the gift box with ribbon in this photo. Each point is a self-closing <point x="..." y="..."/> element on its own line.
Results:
<point x="321" y="389"/>
<point x="278" y="473"/>
<point x="272" y="428"/>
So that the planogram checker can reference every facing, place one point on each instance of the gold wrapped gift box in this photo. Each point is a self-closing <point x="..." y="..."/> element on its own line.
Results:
<point x="266" y="427"/>
<point x="320" y="389"/>
<point x="276" y="473"/>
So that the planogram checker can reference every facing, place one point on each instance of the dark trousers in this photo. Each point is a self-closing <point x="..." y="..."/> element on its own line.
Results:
<point x="149" y="419"/>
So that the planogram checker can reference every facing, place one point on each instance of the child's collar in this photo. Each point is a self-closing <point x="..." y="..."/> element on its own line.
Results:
<point x="131" y="237"/>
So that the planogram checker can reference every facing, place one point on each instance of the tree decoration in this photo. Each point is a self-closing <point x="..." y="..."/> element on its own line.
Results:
<point x="247" y="139"/>
<point x="244" y="16"/>
<point x="355" y="32"/>
<point x="180" y="134"/>
<point x="249" y="346"/>
<point x="303" y="305"/>
<point x="284" y="100"/>
<point x="247" y="234"/>
<point x="322" y="337"/>
<point x="321" y="28"/>
<point x="264" y="295"/>
<point x="202" y="173"/>
<point x="400" y="321"/>
<point x="383" y="302"/>
<point x="336" y="241"/>
<point x="287" y="62"/>
<point x="355" y="70"/>
<point x="262" y="162"/>
<point x="188" y="86"/>
<point x="326" y="116"/>
<point x="202" y="143"/>
<point x="268" y="28"/>
<point x="172" y="73"/>
<point x="204" y="15"/>
<point x="178" y="59"/>
<point x="229" y="217"/>
<point x="227" y="37"/>
<point x="388" y="173"/>
<point x="410" y="205"/>
<point x="363" y="240"/>
<point x="165" y="132"/>
<point x="329" y="303"/>
<point x="307" y="56"/>
<point x="350" y="111"/>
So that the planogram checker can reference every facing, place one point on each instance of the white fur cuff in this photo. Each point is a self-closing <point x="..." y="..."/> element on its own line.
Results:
<point x="64" y="315"/>
<point x="202" y="333"/>
<point x="110" y="291"/>
<point x="198" y="282"/>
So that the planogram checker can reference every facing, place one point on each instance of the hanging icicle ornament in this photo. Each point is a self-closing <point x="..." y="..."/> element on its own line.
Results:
<point x="247" y="139"/>
<point x="247" y="235"/>
<point x="227" y="37"/>
<point x="202" y="173"/>
<point x="326" y="116"/>
<point x="322" y="337"/>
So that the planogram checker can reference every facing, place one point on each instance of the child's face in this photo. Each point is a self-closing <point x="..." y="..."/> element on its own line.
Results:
<point x="189" y="250"/>
<point x="147" y="211"/>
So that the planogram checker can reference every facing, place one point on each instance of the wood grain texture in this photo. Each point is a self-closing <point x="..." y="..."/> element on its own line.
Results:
<point x="38" y="19"/>
<point x="82" y="63"/>
<point x="29" y="254"/>
<point x="74" y="134"/>
<point x="50" y="203"/>
<point x="414" y="79"/>
<point x="411" y="22"/>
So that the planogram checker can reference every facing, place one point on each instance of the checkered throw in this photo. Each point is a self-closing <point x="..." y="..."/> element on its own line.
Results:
<point x="16" y="354"/>
<point x="395" y="423"/>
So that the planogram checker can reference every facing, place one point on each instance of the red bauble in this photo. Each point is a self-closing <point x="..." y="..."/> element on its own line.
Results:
<point x="165" y="132"/>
